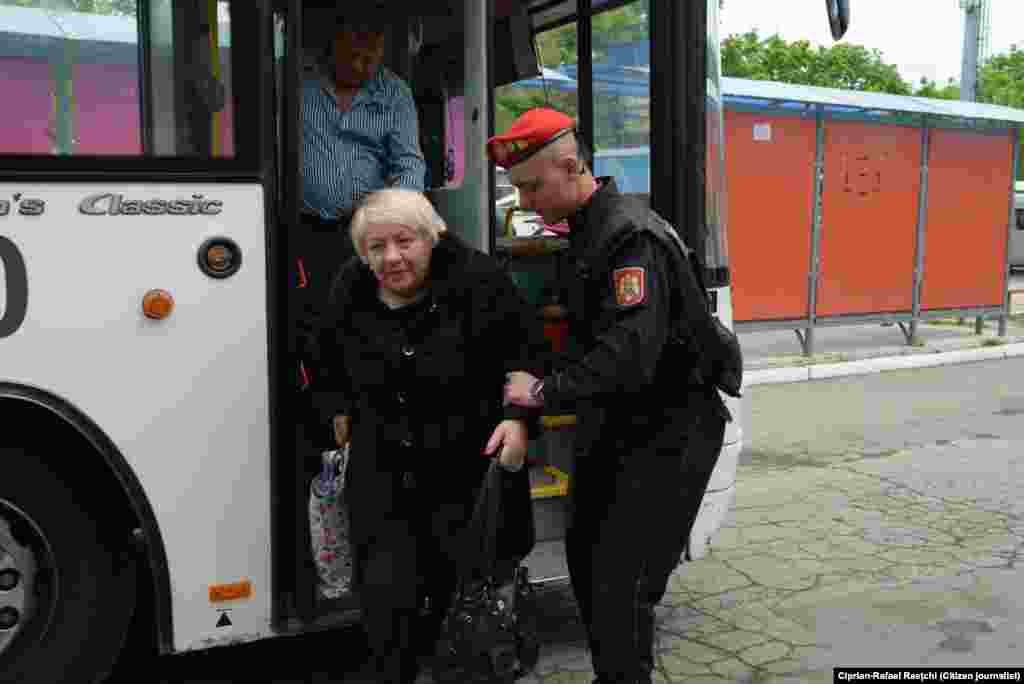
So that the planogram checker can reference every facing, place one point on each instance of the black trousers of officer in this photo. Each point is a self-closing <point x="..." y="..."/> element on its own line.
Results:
<point x="634" y="503"/>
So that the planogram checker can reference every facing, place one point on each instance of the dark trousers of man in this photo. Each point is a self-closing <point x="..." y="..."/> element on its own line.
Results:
<point x="318" y="249"/>
<point x="634" y="503"/>
<point x="412" y="557"/>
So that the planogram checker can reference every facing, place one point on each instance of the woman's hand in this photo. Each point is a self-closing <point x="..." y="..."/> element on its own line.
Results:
<point x="342" y="430"/>
<point x="513" y="439"/>
<point x="518" y="386"/>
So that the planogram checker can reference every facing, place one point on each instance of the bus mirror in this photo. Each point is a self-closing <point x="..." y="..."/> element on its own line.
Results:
<point x="838" y="17"/>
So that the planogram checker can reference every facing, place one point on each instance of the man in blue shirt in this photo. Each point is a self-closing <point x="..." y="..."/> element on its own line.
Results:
<point x="360" y="134"/>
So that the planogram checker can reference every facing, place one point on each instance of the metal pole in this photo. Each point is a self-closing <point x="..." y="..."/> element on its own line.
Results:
<point x="969" y="65"/>
<point x="919" y="239"/>
<point x="1015" y="132"/>
<point x="585" y="74"/>
<point x="812" y="277"/>
<point x="63" y="129"/>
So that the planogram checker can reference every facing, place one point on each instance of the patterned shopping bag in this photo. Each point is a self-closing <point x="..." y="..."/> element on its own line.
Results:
<point x="328" y="525"/>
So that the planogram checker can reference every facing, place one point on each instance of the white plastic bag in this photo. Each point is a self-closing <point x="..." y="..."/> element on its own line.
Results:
<point x="328" y="525"/>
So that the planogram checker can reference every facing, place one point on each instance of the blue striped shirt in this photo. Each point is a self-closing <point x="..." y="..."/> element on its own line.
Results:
<point x="347" y="155"/>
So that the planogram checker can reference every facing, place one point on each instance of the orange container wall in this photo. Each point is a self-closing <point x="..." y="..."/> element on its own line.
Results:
<point x="966" y="221"/>
<point x="869" y="218"/>
<point x="770" y="181"/>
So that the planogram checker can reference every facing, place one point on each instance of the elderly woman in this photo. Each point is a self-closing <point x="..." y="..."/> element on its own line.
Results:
<point x="418" y="337"/>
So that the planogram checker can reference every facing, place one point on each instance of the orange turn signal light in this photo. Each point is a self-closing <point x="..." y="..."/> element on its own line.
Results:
<point x="157" y="304"/>
<point x="234" y="591"/>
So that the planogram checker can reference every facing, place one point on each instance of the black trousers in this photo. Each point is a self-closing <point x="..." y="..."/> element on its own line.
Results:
<point x="409" y="561"/>
<point x="318" y="249"/>
<point x="634" y="504"/>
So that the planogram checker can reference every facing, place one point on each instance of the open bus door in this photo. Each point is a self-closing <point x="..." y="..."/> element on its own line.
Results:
<point x="439" y="50"/>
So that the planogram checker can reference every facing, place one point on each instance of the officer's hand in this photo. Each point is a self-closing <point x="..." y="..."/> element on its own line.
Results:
<point x="512" y="437"/>
<point x="517" y="389"/>
<point x="342" y="429"/>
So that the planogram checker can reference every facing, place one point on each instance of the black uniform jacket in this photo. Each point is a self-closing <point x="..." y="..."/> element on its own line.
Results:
<point x="629" y="383"/>
<point x="423" y="384"/>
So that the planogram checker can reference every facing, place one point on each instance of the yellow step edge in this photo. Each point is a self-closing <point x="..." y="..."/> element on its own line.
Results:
<point x="560" y="486"/>
<point x="555" y="422"/>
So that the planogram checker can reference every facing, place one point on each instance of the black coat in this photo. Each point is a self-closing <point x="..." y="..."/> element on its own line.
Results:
<point x="423" y="385"/>
<point x="621" y="294"/>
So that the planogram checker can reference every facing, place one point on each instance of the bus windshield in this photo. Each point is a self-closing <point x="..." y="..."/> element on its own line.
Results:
<point x="621" y="105"/>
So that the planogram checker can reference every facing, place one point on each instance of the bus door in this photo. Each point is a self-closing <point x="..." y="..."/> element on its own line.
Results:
<point x="428" y="48"/>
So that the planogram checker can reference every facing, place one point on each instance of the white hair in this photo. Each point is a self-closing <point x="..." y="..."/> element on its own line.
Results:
<point x="398" y="206"/>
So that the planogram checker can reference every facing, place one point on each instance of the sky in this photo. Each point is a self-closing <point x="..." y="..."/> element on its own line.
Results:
<point x="921" y="37"/>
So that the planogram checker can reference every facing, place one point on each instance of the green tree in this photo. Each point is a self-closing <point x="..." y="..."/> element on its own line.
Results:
<point x="1001" y="79"/>
<point x="851" y="67"/>
<point x="118" y="7"/>
<point x="559" y="46"/>
<point x="623" y="25"/>
<point x="929" y="88"/>
<point x="1001" y="82"/>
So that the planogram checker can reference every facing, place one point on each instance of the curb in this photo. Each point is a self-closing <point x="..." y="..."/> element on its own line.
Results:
<point x="821" y="371"/>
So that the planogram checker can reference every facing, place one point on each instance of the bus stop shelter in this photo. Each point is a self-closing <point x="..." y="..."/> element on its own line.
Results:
<point x="851" y="207"/>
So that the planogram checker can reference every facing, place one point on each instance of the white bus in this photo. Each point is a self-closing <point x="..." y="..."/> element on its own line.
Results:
<point x="152" y="492"/>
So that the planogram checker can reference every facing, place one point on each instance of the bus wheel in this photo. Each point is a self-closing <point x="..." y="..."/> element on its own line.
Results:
<point x="67" y="591"/>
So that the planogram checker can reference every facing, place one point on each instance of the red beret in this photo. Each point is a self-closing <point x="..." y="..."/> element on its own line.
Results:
<point x="531" y="132"/>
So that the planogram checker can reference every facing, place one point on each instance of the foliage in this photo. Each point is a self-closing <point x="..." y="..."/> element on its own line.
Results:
<point x="851" y="67"/>
<point x="929" y="88"/>
<point x="118" y="7"/>
<point x="1001" y="79"/>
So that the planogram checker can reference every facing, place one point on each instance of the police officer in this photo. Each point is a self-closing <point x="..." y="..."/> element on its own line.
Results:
<point x="647" y="439"/>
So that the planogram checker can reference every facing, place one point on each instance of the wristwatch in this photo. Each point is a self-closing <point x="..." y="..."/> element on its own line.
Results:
<point x="537" y="391"/>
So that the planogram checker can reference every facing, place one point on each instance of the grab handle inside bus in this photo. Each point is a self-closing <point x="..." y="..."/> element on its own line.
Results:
<point x="838" y="17"/>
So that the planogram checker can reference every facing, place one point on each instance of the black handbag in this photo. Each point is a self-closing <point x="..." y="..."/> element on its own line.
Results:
<point x="489" y="633"/>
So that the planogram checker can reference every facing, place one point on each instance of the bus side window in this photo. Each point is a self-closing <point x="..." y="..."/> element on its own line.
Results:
<point x="1020" y="219"/>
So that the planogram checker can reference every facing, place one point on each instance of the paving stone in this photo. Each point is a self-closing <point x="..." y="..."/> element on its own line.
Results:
<point x="734" y="641"/>
<point x="713" y="578"/>
<point x="772" y="573"/>
<point x="788" y="666"/>
<point x="568" y="678"/>
<point x="679" y="668"/>
<point x="917" y="556"/>
<point x="732" y="669"/>
<point x="764" y="653"/>
<point x="693" y="652"/>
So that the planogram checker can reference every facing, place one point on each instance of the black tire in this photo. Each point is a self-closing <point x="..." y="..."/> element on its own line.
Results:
<point x="86" y="599"/>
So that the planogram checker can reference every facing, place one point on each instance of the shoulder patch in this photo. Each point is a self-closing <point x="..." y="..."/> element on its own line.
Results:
<point x="630" y="285"/>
